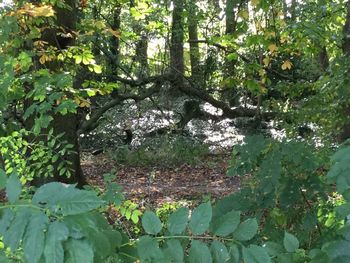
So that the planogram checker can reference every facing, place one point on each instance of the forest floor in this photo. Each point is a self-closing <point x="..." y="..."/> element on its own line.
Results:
<point x="157" y="185"/>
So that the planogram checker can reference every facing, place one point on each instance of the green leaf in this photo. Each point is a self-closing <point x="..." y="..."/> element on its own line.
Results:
<point x="234" y="254"/>
<point x="178" y="221"/>
<point x="226" y="224"/>
<point x="200" y="219"/>
<point x="53" y="251"/>
<point x="13" y="188"/>
<point x="78" y="251"/>
<point x="14" y="233"/>
<point x="199" y="253"/>
<point x="246" y="230"/>
<point x="151" y="223"/>
<point x="148" y="249"/>
<point x="219" y="252"/>
<point x="7" y="216"/>
<point x="290" y="242"/>
<point x="78" y="59"/>
<point x="97" y="69"/>
<point x="95" y="228"/>
<point x="34" y="238"/>
<point x="174" y="251"/>
<point x="336" y="250"/>
<point x="273" y="249"/>
<point x="255" y="254"/>
<point x="66" y="199"/>
<point x="3" y="179"/>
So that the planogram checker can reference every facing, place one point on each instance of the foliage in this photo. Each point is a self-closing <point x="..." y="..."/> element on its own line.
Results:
<point x="65" y="224"/>
<point x="162" y="151"/>
<point x="28" y="157"/>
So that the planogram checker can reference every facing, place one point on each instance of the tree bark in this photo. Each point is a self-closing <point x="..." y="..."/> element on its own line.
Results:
<point x="67" y="124"/>
<point x="115" y="41"/>
<point x="194" y="44"/>
<point x="323" y="58"/>
<point x="177" y="44"/>
<point x="345" y="133"/>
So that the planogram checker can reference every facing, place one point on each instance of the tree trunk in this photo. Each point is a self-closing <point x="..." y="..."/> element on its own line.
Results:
<point x="67" y="124"/>
<point x="230" y="17"/>
<point x="141" y="52"/>
<point x="323" y="58"/>
<point x="345" y="134"/>
<point x="115" y="41"/>
<point x="177" y="44"/>
<point x="194" y="45"/>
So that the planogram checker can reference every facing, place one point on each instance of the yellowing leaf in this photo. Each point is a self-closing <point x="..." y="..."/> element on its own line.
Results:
<point x="244" y="14"/>
<point x="266" y="61"/>
<point x="42" y="59"/>
<point x="262" y="72"/>
<point x="269" y="34"/>
<point x="36" y="11"/>
<point x="85" y="104"/>
<point x="255" y="2"/>
<point x="273" y="48"/>
<point x="287" y="65"/>
<point x="82" y="102"/>
<point x="115" y="33"/>
<point x="44" y="10"/>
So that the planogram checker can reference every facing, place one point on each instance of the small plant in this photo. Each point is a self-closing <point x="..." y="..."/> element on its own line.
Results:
<point x="130" y="211"/>
<point x="166" y="209"/>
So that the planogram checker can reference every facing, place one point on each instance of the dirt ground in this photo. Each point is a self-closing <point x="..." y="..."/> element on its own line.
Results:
<point x="158" y="185"/>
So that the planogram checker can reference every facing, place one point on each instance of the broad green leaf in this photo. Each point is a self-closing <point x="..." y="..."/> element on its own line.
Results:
<point x="3" y="179"/>
<point x="336" y="250"/>
<point x="4" y="259"/>
<point x="78" y="250"/>
<point x="200" y="219"/>
<point x="219" y="252"/>
<point x="318" y="256"/>
<point x="56" y="234"/>
<point x="7" y="216"/>
<point x="13" y="188"/>
<point x="95" y="228"/>
<point x="199" y="253"/>
<point x="151" y="223"/>
<point x="178" y="221"/>
<point x="34" y="238"/>
<point x="15" y="231"/>
<point x="66" y="199"/>
<point x="246" y="230"/>
<point x="226" y="224"/>
<point x="290" y="242"/>
<point x="235" y="255"/>
<point x="174" y="251"/>
<point x="273" y="249"/>
<point x="255" y="254"/>
<point x="148" y="249"/>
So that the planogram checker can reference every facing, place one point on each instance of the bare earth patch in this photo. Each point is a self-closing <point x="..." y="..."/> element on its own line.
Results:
<point x="157" y="185"/>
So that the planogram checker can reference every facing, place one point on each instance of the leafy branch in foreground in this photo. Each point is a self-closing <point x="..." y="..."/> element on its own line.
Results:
<point x="61" y="223"/>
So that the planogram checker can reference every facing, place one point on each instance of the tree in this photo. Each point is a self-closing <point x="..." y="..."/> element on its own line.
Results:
<point x="96" y="64"/>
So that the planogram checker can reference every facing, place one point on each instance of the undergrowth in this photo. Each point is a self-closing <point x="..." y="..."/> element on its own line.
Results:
<point x="290" y="211"/>
<point x="163" y="151"/>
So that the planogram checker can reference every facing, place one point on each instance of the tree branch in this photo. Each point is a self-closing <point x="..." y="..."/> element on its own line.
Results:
<point x="90" y="124"/>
